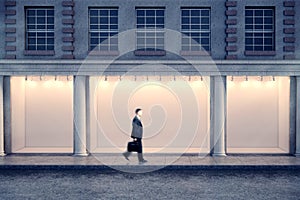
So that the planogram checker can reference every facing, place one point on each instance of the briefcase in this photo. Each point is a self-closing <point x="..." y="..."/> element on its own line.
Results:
<point x="133" y="146"/>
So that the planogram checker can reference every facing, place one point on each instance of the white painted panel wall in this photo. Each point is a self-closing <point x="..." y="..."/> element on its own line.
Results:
<point x="258" y="115"/>
<point x="42" y="115"/>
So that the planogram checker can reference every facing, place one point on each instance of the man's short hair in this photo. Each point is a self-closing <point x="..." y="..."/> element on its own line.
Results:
<point x="137" y="110"/>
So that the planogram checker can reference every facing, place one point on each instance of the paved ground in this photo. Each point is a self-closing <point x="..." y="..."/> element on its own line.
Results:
<point x="169" y="176"/>
<point x="153" y="160"/>
<point x="163" y="184"/>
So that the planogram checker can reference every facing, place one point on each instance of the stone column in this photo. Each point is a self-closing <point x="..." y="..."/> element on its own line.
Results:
<point x="218" y="123"/>
<point x="297" y="153"/>
<point x="2" y="153"/>
<point x="7" y="114"/>
<point x="293" y="114"/>
<point x="79" y="116"/>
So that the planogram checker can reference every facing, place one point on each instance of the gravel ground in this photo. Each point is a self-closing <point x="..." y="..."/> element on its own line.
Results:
<point x="172" y="184"/>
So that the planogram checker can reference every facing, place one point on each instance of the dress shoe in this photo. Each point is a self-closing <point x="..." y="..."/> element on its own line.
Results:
<point x="125" y="154"/>
<point x="142" y="161"/>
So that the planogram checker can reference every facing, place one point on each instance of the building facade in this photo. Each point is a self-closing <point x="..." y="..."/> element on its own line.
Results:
<point x="213" y="77"/>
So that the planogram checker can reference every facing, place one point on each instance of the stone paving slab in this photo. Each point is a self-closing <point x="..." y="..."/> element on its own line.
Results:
<point x="167" y="161"/>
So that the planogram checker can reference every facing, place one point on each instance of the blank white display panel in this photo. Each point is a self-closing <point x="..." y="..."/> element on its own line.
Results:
<point x="171" y="111"/>
<point x="258" y="115"/>
<point x="42" y="115"/>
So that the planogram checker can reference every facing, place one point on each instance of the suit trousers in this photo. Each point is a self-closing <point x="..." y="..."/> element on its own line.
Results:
<point x="139" y="141"/>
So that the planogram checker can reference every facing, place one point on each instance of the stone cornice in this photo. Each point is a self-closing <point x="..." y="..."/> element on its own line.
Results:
<point x="203" y="67"/>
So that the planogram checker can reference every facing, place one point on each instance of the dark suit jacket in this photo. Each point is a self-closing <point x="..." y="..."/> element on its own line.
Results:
<point x="137" y="128"/>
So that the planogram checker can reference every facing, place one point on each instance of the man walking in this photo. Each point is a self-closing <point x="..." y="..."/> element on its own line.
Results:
<point x="137" y="134"/>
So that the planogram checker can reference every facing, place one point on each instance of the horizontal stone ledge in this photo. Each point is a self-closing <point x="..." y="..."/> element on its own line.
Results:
<point x="139" y="62"/>
<point x="231" y="39"/>
<point x="68" y="21"/>
<point x="68" y="3"/>
<point x="289" y="48"/>
<point x="231" y="48"/>
<point x="289" y="12"/>
<point x="68" y="39"/>
<point x="103" y="53"/>
<point x="10" y="48"/>
<point x="289" y="30"/>
<point x="39" y="53"/>
<point x="68" y="30"/>
<point x="231" y="3"/>
<point x="260" y="53"/>
<point x="149" y="53"/>
<point x="68" y="12"/>
<point x="10" y="3"/>
<point x="10" y="39"/>
<point x="208" y="72"/>
<point x="289" y="22"/>
<point x="289" y="39"/>
<point x="231" y="21"/>
<point x="10" y="12"/>
<point x="289" y="3"/>
<point x="231" y="12"/>
<point x="195" y="53"/>
<point x="289" y="57"/>
<point x="10" y="21"/>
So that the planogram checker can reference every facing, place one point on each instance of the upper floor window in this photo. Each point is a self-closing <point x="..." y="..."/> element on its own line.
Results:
<point x="103" y="29"/>
<point x="39" y="29"/>
<point x="259" y="29"/>
<point x="150" y="24"/>
<point x="195" y="27"/>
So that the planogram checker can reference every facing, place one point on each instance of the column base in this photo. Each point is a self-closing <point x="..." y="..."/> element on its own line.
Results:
<point x="297" y="155"/>
<point x="80" y="154"/>
<point x="2" y="154"/>
<point x="219" y="155"/>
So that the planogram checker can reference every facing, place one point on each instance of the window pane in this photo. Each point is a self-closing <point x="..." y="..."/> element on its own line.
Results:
<point x="50" y="47"/>
<point x="204" y="20"/>
<point x="30" y="12"/>
<point x="50" y="41"/>
<point x="103" y="12"/>
<point x="258" y="35"/>
<point x="249" y="13"/>
<point x="140" y="13"/>
<point x="153" y="37"/>
<point x="205" y="12"/>
<point x="93" y="12"/>
<point x="114" y="20"/>
<point x="103" y="24"/>
<point x="185" y="13"/>
<point x="195" y="12"/>
<point x="150" y="12"/>
<point x="114" y="13"/>
<point x="41" y="47"/>
<point x="258" y="12"/>
<point x="50" y="12"/>
<point x="104" y="20"/>
<point x="195" y="20"/>
<point x="50" y="20"/>
<point x="40" y="28"/>
<point x="41" y="12"/>
<point x="194" y="23"/>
